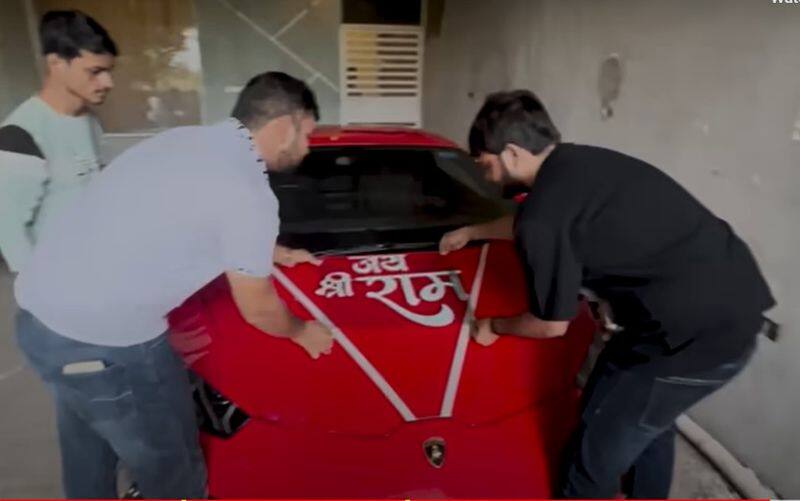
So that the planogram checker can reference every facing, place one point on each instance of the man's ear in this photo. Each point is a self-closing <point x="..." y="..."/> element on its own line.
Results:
<point x="508" y="158"/>
<point x="511" y="156"/>
<point x="288" y="130"/>
<point x="54" y="61"/>
<point x="517" y="151"/>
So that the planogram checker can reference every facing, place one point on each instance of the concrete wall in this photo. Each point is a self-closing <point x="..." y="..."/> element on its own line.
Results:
<point x="235" y="45"/>
<point x="711" y="94"/>
<point x="238" y="39"/>
<point x="18" y="76"/>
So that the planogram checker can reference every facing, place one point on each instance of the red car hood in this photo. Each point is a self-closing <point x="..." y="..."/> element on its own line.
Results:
<point x="402" y="351"/>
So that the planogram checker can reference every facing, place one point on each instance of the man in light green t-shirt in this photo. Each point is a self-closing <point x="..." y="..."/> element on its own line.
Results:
<point x="49" y="144"/>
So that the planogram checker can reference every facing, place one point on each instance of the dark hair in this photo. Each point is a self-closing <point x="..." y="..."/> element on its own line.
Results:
<point x="270" y="95"/>
<point x="67" y="32"/>
<point x="516" y="117"/>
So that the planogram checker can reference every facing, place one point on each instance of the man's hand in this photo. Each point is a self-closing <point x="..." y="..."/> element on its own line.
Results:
<point x="456" y="240"/>
<point x="292" y="257"/>
<point x="482" y="332"/>
<point x="316" y="339"/>
<point x="498" y="229"/>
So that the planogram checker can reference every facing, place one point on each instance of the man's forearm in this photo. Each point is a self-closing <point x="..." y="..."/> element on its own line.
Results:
<point x="278" y="322"/>
<point x="529" y="326"/>
<point x="499" y="229"/>
<point x="280" y="253"/>
<point x="260" y="306"/>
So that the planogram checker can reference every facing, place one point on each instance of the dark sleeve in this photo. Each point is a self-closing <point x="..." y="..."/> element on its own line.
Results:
<point x="15" y="139"/>
<point x="552" y="272"/>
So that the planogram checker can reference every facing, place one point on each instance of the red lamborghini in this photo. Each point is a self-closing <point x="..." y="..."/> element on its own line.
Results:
<point x="406" y="405"/>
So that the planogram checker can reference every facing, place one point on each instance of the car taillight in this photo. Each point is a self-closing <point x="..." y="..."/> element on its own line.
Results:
<point x="217" y="414"/>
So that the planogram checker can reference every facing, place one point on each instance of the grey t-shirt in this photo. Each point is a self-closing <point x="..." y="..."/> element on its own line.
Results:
<point x="46" y="159"/>
<point x="161" y="221"/>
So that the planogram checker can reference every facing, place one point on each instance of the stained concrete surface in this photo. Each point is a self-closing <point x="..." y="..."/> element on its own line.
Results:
<point x="710" y="93"/>
<point x="695" y="478"/>
<point x="29" y="465"/>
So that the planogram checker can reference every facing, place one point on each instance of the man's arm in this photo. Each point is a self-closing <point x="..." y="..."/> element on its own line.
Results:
<point x="527" y="325"/>
<point x="260" y="306"/>
<point x="488" y="330"/>
<point x="498" y="229"/>
<point x="248" y="230"/>
<point x="22" y="177"/>
<point x="290" y="258"/>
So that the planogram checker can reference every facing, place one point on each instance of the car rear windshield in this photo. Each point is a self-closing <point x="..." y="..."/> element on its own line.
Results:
<point x="360" y="196"/>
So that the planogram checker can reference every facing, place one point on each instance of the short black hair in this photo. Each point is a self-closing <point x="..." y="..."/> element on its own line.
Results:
<point x="516" y="117"/>
<point x="67" y="32"/>
<point x="271" y="95"/>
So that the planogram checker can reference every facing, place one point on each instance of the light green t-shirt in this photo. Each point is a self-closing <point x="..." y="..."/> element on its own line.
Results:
<point x="70" y="148"/>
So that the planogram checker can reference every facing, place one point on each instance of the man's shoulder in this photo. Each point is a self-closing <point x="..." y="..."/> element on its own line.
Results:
<point x="594" y="170"/>
<point x="607" y="157"/>
<point x="560" y="178"/>
<point x="26" y="115"/>
<point x="16" y="139"/>
<point x="24" y="118"/>
<point x="180" y="145"/>
<point x="190" y="140"/>
<point x="186" y="155"/>
<point x="39" y="121"/>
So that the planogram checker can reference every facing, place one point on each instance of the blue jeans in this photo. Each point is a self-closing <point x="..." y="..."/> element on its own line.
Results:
<point x="136" y="411"/>
<point x="627" y="429"/>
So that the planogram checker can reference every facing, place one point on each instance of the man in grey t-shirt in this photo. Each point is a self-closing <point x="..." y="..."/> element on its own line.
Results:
<point x="165" y="218"/>
<point x="49" y="143"/>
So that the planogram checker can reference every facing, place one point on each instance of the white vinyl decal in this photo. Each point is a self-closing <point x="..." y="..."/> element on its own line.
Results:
<point x="457" y="367"/>
<point x="391" y="272"/>
<point x="348" y="346"/>
<point x="339" y="284"/>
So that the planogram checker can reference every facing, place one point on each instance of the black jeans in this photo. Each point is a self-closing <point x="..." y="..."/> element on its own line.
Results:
<point x="627" y="429"/>
<point x="137" y="410"/>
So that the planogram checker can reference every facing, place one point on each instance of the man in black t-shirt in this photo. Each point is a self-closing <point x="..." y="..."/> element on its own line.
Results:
<point x="684" y="289"/>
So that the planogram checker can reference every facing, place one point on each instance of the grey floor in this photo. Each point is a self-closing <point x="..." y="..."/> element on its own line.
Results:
<point x="29" y="451"/>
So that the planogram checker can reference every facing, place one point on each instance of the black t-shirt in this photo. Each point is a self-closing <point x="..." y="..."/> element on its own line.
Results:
<point x="677" y="277"/>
